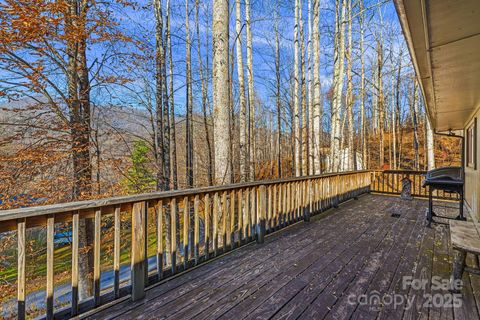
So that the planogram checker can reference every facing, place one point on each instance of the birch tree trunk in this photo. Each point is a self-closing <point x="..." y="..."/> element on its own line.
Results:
<point x="203" y="74"/>
<point x="159" y="61"/>
<point x="251" y="96"/>
<point x="173" y="135"/>
<point x="363" y="130"/>
<point x="278" y="97"/>
<point x="189" y="101"/>
<point x="310" y="93"/>
<point x="396" y="114"/>
<point x="221" y="81"/>
<point x="244" y="161"/>
<point x="303" y="89"/>
<point x="380" y="104"/>
<point x="317" y="107"/>
<point x="296" y="97"/>
<point x="338" y="68"/>
<point x="350" y="157"/>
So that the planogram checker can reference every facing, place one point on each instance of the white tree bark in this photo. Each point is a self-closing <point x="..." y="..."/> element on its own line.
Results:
<point x="350" y="159"/>
<point x="189" y="99"/>
<point x="303" y="90"/>
<point x="338" y="68"/>
<point x="251" y="96"/>
<point x="310" y="92"/>
<point x="221" y="81"/>
<point x="296" y="97"/>
<point x="244" y="161"/>
<point x="362" y="90"/>
<point x="316" y="102"/>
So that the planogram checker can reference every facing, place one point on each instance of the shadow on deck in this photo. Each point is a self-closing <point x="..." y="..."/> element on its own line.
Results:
<point x="333" y="267"/>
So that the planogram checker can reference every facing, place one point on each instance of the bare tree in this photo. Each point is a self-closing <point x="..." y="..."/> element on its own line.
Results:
<point x="221" y="81"/>
<point x="244" y="159"/>
<point x="173" y="136"/>
<point x="296" y="98"/>
<point x="349" y="99"/>
<point x="189" y="101"/>
<point x="303" y="90"/>
<point x="278" y="96"/>
<point x="338" y="67"/>
<point x="316" y="102"/>
<point x="251" y="96"/>
<point x="204" y="80"/>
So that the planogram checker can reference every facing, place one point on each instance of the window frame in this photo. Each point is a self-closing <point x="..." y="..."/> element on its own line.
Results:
<point x="471" y="145"/>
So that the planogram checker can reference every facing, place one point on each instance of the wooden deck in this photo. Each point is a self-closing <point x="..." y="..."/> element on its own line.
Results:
<point x="317" y="270"/>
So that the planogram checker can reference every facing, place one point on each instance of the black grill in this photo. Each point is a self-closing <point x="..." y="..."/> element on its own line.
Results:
<point x="448" y="179"/>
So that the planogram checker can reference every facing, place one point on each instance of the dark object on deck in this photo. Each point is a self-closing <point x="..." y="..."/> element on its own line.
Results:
<point x="448" y="179"/>
<point x="406" y="189"/>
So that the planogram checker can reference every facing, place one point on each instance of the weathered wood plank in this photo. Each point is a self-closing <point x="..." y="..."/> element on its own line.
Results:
<point x="160" y="252"/>
<point x="96" y="256"/>
<point x="50" y="270"/>
<point x="138" y="259"/>
<point x="173" y="234"/>
<point x="186" y="231"/>
<point x="196" y="213"/>
<point x="21" y="263"/>
<point x="75" y="253"/>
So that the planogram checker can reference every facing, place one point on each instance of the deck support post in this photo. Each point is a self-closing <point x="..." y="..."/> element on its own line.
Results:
<point x="139" y="265"/>
<point x="261" y="213"/>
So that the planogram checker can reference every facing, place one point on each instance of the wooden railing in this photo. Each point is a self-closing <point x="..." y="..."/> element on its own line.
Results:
<point x="390" y="182"/>
<point x="199" y="224"/>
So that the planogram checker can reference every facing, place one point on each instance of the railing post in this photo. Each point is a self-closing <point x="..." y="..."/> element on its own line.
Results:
<point x="261" y="212"/>
<point x="139" y="265"/>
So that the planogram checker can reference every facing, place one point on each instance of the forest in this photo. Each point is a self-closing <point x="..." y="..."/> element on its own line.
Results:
<point x="119" y="97"/>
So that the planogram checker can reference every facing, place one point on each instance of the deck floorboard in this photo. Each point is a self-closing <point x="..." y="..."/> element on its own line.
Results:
<point x="317" y="270"/>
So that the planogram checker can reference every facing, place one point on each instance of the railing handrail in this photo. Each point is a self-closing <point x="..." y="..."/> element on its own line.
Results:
<point x="34" y="211"/>
<point x="403" y="171"/>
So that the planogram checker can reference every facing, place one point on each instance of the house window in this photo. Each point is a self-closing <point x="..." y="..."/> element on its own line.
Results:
<point x="472" y="145"/>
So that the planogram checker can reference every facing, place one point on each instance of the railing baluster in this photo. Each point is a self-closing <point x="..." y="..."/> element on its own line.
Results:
<point x="186" y="225"/>
<point x="196" y="213"/>
<point x="215" y="224"/>
<point x="240" y="216"/>
<point x="173" y="234"/>
<point x="116" y="251"/>
<point x="96" y="256"/>
<point x="50" y="254"/>
<point x="206" y="213"/>
<point x="246" y="215"/>
<point x="224" y="221"/>
<point x="75" y="229"/>
<point x="253" y="217"/>
<point x="269" y="209"/>
<point x="159" y="210"/>
<point x="274" y="208"/>
<point x="261" y="213"/>
<point x="138" y="260"/>
<point x="21" y="263"/>
<point x="231" y="229"/>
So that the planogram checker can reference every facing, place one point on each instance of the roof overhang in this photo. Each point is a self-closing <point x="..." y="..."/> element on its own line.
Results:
<point x="443" y="37"/>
